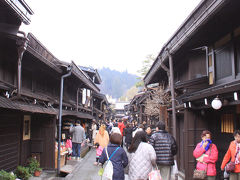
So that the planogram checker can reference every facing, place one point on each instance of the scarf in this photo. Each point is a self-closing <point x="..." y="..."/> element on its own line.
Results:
<point x="237" y="153"/>
<point x="208" y="145"/>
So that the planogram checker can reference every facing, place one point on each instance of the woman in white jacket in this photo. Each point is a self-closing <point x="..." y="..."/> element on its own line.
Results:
<point x="142" y="157"/>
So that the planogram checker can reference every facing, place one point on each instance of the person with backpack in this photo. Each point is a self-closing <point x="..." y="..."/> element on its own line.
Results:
<point x="118" y="157"/>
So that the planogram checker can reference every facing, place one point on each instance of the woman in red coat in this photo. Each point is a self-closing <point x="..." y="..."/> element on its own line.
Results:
<point x="233" y="154"/>
<point x="206" y="154"/>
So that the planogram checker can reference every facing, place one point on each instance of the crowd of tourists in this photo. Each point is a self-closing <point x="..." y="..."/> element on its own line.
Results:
<point x="140" y="147"/>
<point x="143" y="148"/>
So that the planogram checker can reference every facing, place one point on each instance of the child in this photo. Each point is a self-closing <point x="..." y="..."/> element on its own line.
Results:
<point x="99" y="150"/>
<point x="69" y="146"/>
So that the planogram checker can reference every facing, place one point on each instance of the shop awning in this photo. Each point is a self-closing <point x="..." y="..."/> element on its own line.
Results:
<point x="22" y="106"/>
<point x="77" y="114"/>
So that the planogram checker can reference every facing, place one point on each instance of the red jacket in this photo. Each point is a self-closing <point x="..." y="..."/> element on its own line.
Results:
<point x="209" y="161"/>
<point x="231" y="152"/>
<point x="121" y="126"/>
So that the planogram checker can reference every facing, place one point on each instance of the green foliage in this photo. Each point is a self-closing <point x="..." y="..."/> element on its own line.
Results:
<point x="33" y="165"/>
<point x="23" y="173"/>
<point x="7" y="176"/>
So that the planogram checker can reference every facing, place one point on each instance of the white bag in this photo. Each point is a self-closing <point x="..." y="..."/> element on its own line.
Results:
<point x="108" y="170"/>
<point x="174" y="169"/>
<point x="155" y="174"/>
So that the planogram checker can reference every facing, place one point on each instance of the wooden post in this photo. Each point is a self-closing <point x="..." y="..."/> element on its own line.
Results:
<point x="173" y="95"/>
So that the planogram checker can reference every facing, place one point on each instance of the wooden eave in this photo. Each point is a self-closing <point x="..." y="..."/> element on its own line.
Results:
<point x="100" y="96"/>
<point x="93" y="72"/>
<point x="38" y="95"/>
<point x="85" y="79"/>
<point x="6" y="86"/>
<point x="21" y="9"/>
<point x="192" y="82"/>
<point x="213" y="91"/>
<point x="98" y="77"/>
<point x="77" y="114"/>
<point x="21" y="106"/>
<point x="199" y="16"/>
<point x="136" y="97"/>
<point x="40" y="52"/>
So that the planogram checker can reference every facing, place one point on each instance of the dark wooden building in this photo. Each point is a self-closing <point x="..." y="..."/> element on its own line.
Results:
<point x="136" y="107"/>
<point x="29" y="93"/>
<point x="100" y="107"/>
<point x="199" y="63"/>
<point x="100" y="104"/>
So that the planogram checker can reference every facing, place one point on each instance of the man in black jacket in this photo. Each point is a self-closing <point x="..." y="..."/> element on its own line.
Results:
<point x="165" y="147"/>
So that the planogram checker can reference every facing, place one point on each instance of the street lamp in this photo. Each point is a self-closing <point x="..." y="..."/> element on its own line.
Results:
<point x="216" y="103"/>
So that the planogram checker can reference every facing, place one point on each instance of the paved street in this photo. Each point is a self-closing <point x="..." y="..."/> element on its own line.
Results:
<point x="85" y="170"/>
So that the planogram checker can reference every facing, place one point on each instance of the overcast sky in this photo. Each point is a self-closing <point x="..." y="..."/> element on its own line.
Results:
<point x="118" y="34"/>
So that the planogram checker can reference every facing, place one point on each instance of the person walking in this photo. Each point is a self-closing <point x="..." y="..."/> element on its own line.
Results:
<point x="165" y="147"/>
<point x="119" y="159"/>
<point x="99" y="150"/>
<point x="149" y="133"/>
<point x="206" y="154"/>
<point x="233" y="153"/>
<point x="78" y="135"/>
<point x="121" y="126"/>
<point x="142" y="157"/>
<point x="102" y="137"/>
<point x="140" y="128"/>
<point x="128" y="135"/>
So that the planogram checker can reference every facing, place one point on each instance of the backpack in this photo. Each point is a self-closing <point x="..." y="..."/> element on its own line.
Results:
<point x="108" y="170"/>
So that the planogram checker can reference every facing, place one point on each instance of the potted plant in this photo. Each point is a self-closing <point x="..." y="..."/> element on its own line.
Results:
<point x="34" y="167"/>
<point x="23" y="173"/>
<point x="37" y="172"/>
<point x="7" y="176"/>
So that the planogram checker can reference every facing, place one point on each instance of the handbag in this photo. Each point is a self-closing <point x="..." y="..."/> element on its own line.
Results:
<point x="230" y="167"/>
<point x="201" y="174"/>
<point x="155" y="174"/>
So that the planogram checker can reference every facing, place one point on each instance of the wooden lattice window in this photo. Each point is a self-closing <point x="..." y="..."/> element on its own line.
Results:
<point x="227" y="123"/>
<point x="26" y="127"/>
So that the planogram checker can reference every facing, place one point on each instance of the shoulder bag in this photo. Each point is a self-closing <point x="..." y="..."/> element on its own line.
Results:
<point x="230" y="167"/>
<point x="201" y="174"/>
<point x="108" y="170"/>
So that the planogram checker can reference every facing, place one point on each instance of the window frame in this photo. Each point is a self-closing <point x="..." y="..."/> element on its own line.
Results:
<point x="232" y="76"/>
<point x="28" y="135"/>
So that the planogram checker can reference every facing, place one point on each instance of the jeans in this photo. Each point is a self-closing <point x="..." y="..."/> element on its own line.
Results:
<point x="76" y="149"/>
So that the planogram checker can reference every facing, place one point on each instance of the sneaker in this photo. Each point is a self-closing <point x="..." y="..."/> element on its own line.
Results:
<point x="73" y="158"/>
<point x="99" y="164"/>
<point x="78" y="158"/>
<point x="95" y="163"/>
